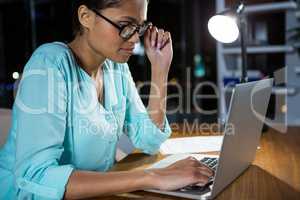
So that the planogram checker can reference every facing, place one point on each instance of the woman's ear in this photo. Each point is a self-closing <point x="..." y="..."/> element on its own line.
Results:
<point x="86" y="17"/>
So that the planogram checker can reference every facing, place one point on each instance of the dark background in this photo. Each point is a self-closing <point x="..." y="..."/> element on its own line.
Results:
<point x="185" y="19"/>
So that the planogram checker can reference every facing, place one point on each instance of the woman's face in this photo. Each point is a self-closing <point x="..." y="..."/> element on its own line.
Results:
<point x="104" y="38"/>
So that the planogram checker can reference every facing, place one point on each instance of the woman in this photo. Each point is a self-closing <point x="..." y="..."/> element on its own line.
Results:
<point x="75" y="100"/>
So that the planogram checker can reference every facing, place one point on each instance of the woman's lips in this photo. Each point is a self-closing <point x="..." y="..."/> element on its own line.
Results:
<point x="128" y="51"/>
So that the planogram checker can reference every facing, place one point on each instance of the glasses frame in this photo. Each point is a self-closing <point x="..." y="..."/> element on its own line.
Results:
<point x="145" y="26"/>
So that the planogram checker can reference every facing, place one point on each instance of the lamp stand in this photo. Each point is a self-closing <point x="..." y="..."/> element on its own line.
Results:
<point x="243" y="30"/>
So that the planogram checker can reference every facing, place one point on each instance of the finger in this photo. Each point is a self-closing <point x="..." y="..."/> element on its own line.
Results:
<point x="150" y="29"/>
<point x="202" y="179"/>
<point x="191" y="158"/>
<point x="168" y="39"/>
<point x="201" y="184"/>
<point x="154" y="35"/>
<point x="205" y="171"/>
<point x="147" y="38"/>
<point x="160" y="38"/>
<point x="194" y="162"/>
<point x="165" y="38"/>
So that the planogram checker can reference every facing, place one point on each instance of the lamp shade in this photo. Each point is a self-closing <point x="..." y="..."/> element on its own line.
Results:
<point x="223" y="28"/>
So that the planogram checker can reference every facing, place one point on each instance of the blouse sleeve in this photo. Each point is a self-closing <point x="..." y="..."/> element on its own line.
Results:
<point x="41" y="125"/>
<point x="141" y="130"/>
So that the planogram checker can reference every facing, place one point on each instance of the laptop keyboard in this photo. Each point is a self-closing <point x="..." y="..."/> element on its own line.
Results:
<point x="211" y="163"/>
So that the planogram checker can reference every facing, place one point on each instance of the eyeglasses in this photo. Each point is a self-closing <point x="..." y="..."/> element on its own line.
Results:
<point x="128" y="30"/>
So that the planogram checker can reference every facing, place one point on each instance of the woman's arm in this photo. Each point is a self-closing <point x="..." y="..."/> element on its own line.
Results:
<point x="86" y="184"/>
<point x="159" y="50"/>
<point x="157" y="101"/>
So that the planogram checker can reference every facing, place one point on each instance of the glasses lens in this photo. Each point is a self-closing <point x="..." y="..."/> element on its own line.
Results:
<point x="128" y="31"/>
<point x="144" y="28"/>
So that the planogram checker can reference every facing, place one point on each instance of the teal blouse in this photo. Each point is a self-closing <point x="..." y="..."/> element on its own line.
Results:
<point x="58" y="125"/>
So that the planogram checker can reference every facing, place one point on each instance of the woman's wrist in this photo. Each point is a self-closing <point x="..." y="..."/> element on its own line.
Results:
<point x="150" y="179"/>
<point x="159" y="81"/>
<point x="159" y="75"/>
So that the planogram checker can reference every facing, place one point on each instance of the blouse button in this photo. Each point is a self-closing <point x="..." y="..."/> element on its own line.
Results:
<point x="109" y="117"/>
<point x="23" y="184"/>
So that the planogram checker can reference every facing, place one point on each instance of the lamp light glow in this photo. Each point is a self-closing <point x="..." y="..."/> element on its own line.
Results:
<point x="16" y="75"/>
<point x="223" y="28"/>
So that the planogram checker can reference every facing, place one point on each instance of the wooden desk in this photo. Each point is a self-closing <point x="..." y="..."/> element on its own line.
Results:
<point x="275" y="173"/>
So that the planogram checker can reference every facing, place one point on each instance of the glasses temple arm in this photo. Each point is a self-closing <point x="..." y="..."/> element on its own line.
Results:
<point x="112" y="23"/>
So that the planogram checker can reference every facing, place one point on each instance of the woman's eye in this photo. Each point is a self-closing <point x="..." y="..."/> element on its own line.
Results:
<point x="124" y="23"/>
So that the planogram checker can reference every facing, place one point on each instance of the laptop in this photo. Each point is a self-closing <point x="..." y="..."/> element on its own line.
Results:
<point x="242" y="131"/>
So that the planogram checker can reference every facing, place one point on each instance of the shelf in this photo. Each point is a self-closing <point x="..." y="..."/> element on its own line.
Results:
<point x="260" y="49"/>
<point x="297" y="70"/>
<point x="275" y="90"/>
<point x="237" y="73"/>
<point x="270" y="7"/>
<point x="287" y="93"/>
<point x="283" y="91"/>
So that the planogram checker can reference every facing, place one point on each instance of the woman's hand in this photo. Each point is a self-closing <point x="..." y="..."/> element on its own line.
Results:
<point x="158" y="45"/>
<point x="180" y="174"/>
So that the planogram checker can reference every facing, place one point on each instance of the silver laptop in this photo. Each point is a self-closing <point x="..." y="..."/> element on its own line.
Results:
<point x="247" y="110"/>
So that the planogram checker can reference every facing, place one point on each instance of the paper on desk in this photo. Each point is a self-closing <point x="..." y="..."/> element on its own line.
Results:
<point x="192" y="145"/>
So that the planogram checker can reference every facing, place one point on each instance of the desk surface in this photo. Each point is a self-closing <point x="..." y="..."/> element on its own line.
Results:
<point x="275" y="173"/>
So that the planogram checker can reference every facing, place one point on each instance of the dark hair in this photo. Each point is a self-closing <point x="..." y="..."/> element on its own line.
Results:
<point x="91" y="4"/>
